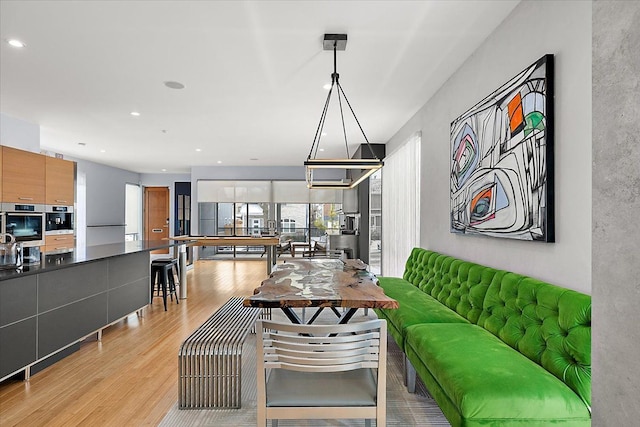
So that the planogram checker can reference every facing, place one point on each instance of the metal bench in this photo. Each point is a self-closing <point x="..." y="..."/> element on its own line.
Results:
<point x="210" y="359"/>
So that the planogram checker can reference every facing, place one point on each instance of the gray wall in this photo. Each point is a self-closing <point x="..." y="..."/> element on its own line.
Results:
<point x="616" y="203"/>
<point x="105" y="201"/>
<point x="530" y="31"/>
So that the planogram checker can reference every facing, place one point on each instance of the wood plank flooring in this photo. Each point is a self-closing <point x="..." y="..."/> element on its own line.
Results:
<point x="131" y="377"/>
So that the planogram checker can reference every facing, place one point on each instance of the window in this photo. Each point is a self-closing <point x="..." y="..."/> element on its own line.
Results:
<point x="239" y="208"/>
<point x="288" y="225"/>
<point x="133" y="212"/>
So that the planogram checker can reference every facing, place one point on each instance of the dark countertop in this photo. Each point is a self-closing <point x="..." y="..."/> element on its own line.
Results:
<point x="50" y="262"/>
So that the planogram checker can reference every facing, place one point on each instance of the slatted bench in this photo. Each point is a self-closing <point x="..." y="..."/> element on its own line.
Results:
<point x="210" y="359"/>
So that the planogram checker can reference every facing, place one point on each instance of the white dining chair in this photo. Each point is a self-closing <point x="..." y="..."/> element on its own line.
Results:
<point x="321" y="371"/>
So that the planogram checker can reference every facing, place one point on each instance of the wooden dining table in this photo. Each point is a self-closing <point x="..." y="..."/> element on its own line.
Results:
<point x="321" y="283"/>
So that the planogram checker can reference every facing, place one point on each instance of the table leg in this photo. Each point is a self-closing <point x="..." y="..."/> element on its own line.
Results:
<point x="182" y="258"/>
<point x="269" y="259"/>
<point x="288" y="311"/>
<point x="315" y="316"/>
<point x="347" y="315"/>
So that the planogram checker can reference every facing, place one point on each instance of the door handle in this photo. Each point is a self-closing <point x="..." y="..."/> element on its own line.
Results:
<point x="157" y="230"/>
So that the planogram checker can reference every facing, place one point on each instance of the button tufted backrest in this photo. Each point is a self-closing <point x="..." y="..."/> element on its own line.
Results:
<point x="548" y="324"/>
<point x="459" y="285"/>
<point x="416" y="265"/>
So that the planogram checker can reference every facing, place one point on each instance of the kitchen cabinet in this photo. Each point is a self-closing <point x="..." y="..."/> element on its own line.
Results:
<point x="23" y="176"/>
<point x="55" y="242"/>
<point x="60" y="180"/>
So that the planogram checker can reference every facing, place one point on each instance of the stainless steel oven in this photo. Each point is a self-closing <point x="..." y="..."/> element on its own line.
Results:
<point x="24" y="222"/>
<point x="59" y="220"/>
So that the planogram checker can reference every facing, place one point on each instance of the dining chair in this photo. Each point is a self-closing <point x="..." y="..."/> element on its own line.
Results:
<point x="321" y="371"/>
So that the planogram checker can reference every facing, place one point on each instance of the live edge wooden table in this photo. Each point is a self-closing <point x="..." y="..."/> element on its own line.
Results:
<point x="322" y="283"/>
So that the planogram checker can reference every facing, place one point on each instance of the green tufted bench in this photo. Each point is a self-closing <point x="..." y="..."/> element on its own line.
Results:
<point x="494" y="348"/>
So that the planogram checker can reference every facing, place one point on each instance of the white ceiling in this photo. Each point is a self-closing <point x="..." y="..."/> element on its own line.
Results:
<point x="253" y="72"/>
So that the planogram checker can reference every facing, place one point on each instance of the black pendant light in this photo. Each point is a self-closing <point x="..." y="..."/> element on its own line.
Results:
<point x="356" y="170"/>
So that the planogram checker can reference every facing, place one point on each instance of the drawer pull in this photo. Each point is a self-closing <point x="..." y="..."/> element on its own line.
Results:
<point x="25" y="198"/>
<point x="157" y="230"/>
<point x="61" y="201"/>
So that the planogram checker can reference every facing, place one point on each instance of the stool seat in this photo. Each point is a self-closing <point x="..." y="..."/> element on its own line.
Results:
<point x="162" y="274"/>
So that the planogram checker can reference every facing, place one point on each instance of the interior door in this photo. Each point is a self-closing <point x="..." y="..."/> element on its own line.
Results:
<point x="156" y="215"/>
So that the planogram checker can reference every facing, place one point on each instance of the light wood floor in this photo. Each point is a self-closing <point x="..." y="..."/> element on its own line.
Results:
<point x="131" y="377"/>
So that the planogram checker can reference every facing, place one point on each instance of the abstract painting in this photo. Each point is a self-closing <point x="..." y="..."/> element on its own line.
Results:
<point x="502" y="160"/>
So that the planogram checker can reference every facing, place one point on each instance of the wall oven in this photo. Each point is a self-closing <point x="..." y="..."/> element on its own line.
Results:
<point x="24" y="222"/>
<point x="59" y="220"/>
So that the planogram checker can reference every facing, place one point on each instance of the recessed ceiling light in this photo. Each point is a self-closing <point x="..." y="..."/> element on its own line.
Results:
<point x="164" y="170"/>
<point x="326" y="86"/>
<point x="198" y="149"/>
<point x="103" y="151"/>
<point x="135" y="113"/>
<point x="16" y="43"/>
<point x="174" y="85"/>
<point x="219" y="161"/>
<point x="320" y="149"/>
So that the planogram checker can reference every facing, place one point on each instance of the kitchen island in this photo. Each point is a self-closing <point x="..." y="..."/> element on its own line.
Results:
<point x="48" y="308"/>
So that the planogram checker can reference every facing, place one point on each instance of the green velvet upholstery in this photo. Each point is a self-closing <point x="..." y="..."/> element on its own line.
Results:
<point x="459" y="324"/>
<point x="417" y="307"/>
<point x="487" y="382"/>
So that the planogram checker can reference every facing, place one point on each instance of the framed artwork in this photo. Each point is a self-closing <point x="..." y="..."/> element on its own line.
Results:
<point x="501" y="176"/>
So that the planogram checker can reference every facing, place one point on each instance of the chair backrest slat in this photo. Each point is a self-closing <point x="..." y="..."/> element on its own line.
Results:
<point x="348" y="345"/>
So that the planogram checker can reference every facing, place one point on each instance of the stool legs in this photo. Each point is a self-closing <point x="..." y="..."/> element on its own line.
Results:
<point x="162" y="275"/>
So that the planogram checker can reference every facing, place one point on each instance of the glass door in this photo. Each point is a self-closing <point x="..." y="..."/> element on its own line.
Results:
<point x="375" y="222"/>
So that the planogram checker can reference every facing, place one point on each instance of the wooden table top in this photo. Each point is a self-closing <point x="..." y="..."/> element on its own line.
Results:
<point x="320" y="283"/>
<point x="228" y="240"/>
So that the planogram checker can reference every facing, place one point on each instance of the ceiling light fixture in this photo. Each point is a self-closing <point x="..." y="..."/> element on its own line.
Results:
<point x="174" y="85"/>
<point x="356" y="170"/>
<point x="16" y="43"/>
<point x="135" y="113"/>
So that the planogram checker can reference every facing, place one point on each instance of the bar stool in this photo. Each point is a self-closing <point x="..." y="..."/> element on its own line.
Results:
<point x="162" y="274"/>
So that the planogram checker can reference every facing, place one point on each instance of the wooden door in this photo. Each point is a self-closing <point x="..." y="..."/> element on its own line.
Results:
<point x="156" y="215"/>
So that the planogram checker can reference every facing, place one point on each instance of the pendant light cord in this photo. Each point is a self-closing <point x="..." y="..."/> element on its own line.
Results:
<point x="335" y="82"/>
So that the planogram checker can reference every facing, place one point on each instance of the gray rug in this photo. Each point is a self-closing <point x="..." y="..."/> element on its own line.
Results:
<point x="403" y="408"/>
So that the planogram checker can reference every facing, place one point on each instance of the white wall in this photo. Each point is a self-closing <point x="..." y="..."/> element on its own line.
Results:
<point x="20" y="134"/>
<point x="530" y="31"/>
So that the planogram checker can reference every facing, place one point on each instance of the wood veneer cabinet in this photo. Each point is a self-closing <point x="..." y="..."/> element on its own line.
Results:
<point x="23" y="176"/>
<point x="56" y="242"/>
<point x="59" y="181"/>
